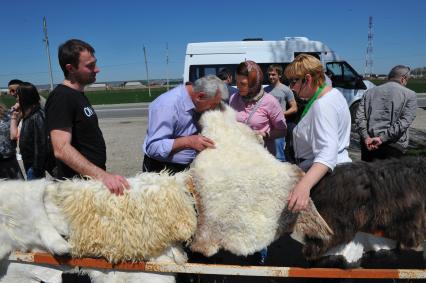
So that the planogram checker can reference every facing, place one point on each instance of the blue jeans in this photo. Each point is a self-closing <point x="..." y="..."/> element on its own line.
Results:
<point x="279" y="149"/>
<point x="30" y="174"/>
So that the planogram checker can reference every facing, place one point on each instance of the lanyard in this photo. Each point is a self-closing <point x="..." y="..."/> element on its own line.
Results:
<point x="312" y="100"/>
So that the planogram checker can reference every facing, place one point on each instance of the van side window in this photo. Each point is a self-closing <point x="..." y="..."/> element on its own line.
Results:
<point x="198" y="71"/>
<point x="343" y="75"/>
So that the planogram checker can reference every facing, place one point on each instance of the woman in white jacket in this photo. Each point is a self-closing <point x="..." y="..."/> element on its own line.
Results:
<point x="322" y="136"/>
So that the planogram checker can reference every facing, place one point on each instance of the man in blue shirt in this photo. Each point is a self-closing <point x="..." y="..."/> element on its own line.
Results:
<point x="172" y="138"/>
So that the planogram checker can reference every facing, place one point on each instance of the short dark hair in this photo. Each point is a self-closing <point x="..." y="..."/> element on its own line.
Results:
<point x="277" y="68"/>
<point x="69" y="53"/>
<point x="14" y="82"/>
<point x="27" y="96"/>
<point x="224" y="73"/>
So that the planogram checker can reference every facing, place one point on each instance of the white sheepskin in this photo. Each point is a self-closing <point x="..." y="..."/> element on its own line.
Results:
<point x="14" y="272"/>
<point x="24" y="224"/>
<point x="156" y="213"/>
<point x="242" y="191"/>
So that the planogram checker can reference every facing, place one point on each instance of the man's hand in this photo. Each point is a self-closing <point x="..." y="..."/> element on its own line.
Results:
<point x="199" y="142"/>
<point x="372" y="143"/>
<point x="115" y="183"/>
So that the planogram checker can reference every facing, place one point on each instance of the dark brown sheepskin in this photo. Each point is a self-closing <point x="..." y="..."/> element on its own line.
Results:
<point x="387" y="196"/>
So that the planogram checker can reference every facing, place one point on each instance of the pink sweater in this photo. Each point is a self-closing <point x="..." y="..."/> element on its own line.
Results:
<point x="269" y="115"/>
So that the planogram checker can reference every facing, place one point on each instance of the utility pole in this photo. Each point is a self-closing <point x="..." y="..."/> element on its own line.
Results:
<point x="146" y="68"/>
<point x="167" y="64"/>
<point x="369" y="54"/>
<point x="46" y="42"/>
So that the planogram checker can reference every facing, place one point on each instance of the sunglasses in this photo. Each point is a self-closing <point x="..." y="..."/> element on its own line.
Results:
<point x="293" y="81"/>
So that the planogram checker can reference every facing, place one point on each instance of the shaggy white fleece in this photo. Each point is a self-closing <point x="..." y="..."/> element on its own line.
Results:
<point x="242" y="191"/>
<point x="157" y="212"/>
<point x="14" y="272"/>
<point x="24" y="224"/>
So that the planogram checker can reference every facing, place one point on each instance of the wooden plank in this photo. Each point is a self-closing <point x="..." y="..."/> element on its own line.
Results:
<point x="268" y="271"/>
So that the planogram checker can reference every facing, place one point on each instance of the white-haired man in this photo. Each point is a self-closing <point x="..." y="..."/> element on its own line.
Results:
<point x="172" y="138"/>
<point x="384" y="116"/>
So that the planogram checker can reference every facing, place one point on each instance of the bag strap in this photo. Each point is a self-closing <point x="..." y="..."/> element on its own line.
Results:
<point x="254" y="110"/>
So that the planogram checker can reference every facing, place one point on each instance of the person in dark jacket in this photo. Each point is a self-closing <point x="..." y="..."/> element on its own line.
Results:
<point x="9" y="167"/>
<point x="33" y="141"/>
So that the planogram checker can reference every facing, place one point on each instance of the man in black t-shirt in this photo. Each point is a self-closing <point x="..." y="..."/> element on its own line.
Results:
<point x="77" y="140"/>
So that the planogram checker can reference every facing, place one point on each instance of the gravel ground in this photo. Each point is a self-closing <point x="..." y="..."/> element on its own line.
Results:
<point x="124" y="138"/>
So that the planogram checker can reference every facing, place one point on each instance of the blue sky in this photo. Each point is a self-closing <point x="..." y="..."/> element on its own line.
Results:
<point x="118" y="30"/>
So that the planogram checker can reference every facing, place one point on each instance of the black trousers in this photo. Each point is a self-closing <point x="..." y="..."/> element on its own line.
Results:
<point x="151" y="165"/>
<point x="383" y="152"/>
<point x="9" y="169"/>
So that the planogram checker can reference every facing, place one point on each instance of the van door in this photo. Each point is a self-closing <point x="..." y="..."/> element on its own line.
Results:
<point x="349" y="82"/>
<point x="346" y="79"/>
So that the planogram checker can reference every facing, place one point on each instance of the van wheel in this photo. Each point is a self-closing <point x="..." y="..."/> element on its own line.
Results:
<point x="353" y="109"/>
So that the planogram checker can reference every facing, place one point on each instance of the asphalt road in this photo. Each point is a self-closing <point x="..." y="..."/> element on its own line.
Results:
<point x="132" y="110"/>
<point x="421" y="100"/>
<point x="122" y="110"/>
<point x="124" y="135"/>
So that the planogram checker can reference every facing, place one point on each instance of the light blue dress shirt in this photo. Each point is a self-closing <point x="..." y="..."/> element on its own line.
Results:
<point x="171" y="115"/>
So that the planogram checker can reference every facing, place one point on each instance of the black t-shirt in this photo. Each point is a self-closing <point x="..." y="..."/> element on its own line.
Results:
<point x="68" y="108"/>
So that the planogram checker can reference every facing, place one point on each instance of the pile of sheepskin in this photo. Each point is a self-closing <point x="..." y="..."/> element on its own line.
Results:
<point x="242" y="191"/>
<point x="156" y="213"/>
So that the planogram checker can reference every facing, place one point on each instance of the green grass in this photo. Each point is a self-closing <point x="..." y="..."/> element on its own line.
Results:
<point x="123" y="96"/>
<point x="417" y="85"/>
<point x="7" y="100"/>
<point x="107" y="96"/>
<point x="141" y="95"/>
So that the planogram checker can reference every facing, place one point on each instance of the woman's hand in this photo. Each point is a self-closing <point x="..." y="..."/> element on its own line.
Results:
<point x="299" y="198"/>
<point x="264" y="134"/>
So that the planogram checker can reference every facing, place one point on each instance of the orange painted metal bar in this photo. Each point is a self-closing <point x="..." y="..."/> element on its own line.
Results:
<point x="269" y="271"/>
<point x="344" y="273"/>
<point x="45" y="258"/>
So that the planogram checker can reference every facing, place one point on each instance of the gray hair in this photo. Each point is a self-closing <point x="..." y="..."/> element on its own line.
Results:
<point x="398" y="72"/>
<point x="210" y="85"/>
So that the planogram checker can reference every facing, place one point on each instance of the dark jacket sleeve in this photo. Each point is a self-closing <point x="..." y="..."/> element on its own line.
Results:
<point x="39" y="145"/>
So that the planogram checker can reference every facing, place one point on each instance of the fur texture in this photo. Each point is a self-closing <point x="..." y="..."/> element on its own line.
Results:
<point x="242" y="191"/>
<point x="24" y="224"/>
<point x="156" y="213"/>
<point x="387" y="196"/>
<point x="14" y="272"/>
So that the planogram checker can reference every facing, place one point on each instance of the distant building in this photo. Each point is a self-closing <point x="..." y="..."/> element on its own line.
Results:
<point x="3" y="91"/>
<point x="133" y="85"/>
<point x="96" y="86"/>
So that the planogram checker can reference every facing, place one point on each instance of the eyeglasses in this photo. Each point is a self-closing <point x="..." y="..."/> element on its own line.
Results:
<point x="405" y="75"/>
<point x="293" y="81"/>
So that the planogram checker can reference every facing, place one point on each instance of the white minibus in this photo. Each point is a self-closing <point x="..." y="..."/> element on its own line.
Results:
<point x="206" y="58"/>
